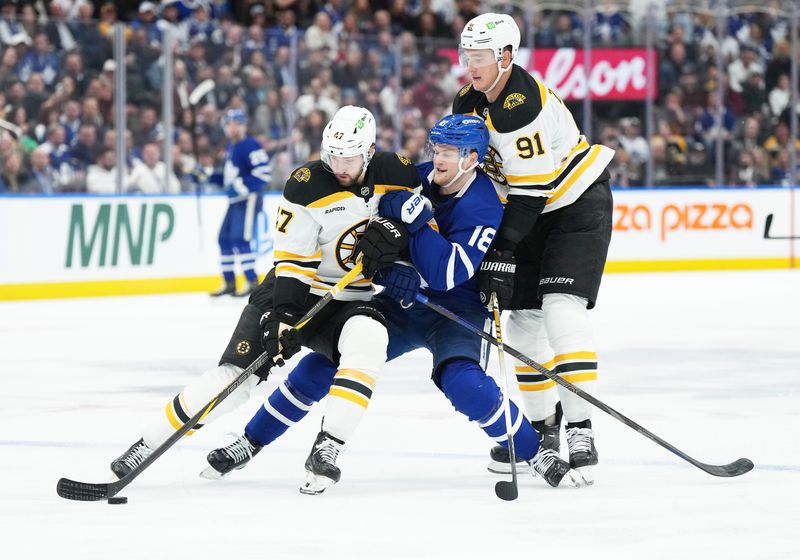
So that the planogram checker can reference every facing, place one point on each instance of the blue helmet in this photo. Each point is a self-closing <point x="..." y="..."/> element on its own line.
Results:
<point x="234" y="115"/>
<point x="466" y="132"/>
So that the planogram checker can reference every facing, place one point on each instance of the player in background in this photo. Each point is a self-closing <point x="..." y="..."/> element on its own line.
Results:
<point x="246" y="173"/>
<point x="467" y="212"/>
<point x="548" y="257"/>
<point x="326" y="206"/>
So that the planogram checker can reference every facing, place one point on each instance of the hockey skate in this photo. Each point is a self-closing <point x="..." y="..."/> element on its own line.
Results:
<point x="321" y="469"/>
<point x="234" y="456"/>
<point x="131" y="459"/>
<point x="582" y="452"/>
<point x="553" y="469"/>
<point x="227" y="289"/>
<point x="549" y="438"/>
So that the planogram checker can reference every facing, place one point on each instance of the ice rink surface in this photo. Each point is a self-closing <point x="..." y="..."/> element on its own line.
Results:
<point x="708" y="361"/>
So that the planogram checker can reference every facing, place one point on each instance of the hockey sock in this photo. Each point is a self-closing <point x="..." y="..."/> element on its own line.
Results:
<point x="194" y="396"/>
<point x="362" y="345"/>
<point x="290" y="402"/>
<point x="571" y="336"/>
<point x="227" y="262"/>
<point x="476" y="395"/>
<point x="248" y="262"/>
<point x="526" y="333"/>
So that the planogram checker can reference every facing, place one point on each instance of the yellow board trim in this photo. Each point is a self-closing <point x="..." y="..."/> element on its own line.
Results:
<point x="689" y="265"/>
<point x="330" y="199"/>
<point x="95" y="288"/>
<point x="347" y="395"/>
<point x="359" y="375"/>
<point x="538" y="387"/>
<point x="578" y="377"/>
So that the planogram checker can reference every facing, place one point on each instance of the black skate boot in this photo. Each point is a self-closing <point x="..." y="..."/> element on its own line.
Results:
<point x="321" y="469"/>
<point x="227" y="289"/>
<point x="582" y="452"/>
<point x="131" y="459"/>
<point x="553" y="469"/>
<point x="549" y="438"/>
<point x="234" y="456"/>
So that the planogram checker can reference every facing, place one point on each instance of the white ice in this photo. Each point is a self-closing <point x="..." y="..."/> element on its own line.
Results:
<point x="708" y="361"/>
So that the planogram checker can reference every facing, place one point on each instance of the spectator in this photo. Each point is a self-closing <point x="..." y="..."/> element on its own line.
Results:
<point x="11" y="30"/>
<point x="58" y="29"/>
<point x="8" y="68"/>
<point x="149" y="174"/>
<point x="321" y="36"/>
<point x="314" y="100"/>
<point x="12" y="175"/>
<point x="146" y="21"/>
<point x="633" y="142"/>
<point x="741" y="68"/>
<point x="40" y="60"/>
<point x="780" y="96"/>
<point x="42" y="178"/>
<point x="84" y="149"/>
<point x="101" y="177"/>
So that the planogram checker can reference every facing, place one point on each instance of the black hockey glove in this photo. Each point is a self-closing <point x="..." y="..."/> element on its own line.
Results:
<point x="280" y="339"/>
<point x="383" y="242"/>
<point x="496" y="274"/>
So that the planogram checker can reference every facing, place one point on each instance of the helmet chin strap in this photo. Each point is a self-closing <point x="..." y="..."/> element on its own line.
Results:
<point x="500" y="72"/>
<point x="461" y="172"/>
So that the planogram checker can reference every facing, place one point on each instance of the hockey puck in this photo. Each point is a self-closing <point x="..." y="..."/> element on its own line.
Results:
<point x="118" y="500"/>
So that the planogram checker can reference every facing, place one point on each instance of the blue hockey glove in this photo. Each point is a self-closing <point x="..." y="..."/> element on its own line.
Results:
<point x="496" y="274"/>
<point x="413" y="209"/>
<point x="400" y="282"/>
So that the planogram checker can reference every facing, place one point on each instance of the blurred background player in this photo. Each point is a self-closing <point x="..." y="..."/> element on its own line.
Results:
<point x="548" y="258"/>
<point x="467" y="213"/>
<point x="246" y="174"/>
<point x="326" y="207"/>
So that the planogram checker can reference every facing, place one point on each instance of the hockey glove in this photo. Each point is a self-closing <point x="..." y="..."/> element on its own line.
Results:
<point x="496" y="274"/>
<point x="279" y="338"/>
<point x="413" y="209"/>
<point x="383" y="242"/>
<point x="400" y="282"/>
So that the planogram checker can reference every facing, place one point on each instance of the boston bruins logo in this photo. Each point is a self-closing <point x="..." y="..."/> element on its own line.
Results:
<point x="347" y="244"/>
<point x="404" y="160"/>
<point x="513" y="100"/>
<point x="493" y="165"/>
<point x="463" y="91"/>
<point x="302" y="175"/>
<point x="243" y="348"/>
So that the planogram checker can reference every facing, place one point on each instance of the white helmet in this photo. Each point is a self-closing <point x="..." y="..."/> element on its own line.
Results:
<point x="351" y="132"/>
<point x="491" y="31"/>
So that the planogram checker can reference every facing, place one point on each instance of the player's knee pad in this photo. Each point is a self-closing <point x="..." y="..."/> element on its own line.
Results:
<point x="525" y="331"/>
<point x="245" y="343"/>
<point x="567" y="322"/>
<point x="362" y="344"/>
<point x="200" y="392"/>
<point x="311" y="378"/>
<point x="470" y="391"/>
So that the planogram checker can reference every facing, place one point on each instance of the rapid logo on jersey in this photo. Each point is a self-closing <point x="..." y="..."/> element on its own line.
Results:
<point x="347" y="244"/>
<point x="513" y="100"/>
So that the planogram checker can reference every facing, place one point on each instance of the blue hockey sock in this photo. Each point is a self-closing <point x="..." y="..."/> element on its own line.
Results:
<point x="290" y="402"/>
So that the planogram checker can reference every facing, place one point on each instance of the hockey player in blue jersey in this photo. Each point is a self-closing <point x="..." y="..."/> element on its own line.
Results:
<point x="247" y="171"/>
<point x="463" y="202"/>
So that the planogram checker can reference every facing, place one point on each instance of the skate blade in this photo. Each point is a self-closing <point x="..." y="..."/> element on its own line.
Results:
<point x="315" y="484"/>
<point x="570" y="480"/>
<point x="210" y="473"/>
<point x="497" y="467"/>
<point x="585" y="476"/>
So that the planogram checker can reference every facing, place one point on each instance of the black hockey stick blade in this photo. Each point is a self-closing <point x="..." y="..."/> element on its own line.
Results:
<point x="84" y="491"/>
<point x="507" y="489"/>
<point x="737" y="468"/>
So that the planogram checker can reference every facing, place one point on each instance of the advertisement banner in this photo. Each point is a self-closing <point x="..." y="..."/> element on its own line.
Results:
<point x="614" y="74"/>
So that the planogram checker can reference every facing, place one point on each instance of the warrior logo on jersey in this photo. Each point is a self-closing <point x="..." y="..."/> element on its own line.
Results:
<point x="513" y="100"/>
<point x="463" y="91"/>
<point x="493" y="165"/>
<point x="302" y="175"/>
<point x="347" y="244"/>
<point x="404" y="160"/>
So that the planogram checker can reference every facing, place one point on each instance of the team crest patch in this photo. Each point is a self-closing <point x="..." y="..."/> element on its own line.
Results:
<point x="303" y="175"/>
<point x="404" y="160"/>
<point x="347" y="244"/>
<point x="463" y="91"/>
<point x="243" y="348"/>
<point x="513" y="100"/>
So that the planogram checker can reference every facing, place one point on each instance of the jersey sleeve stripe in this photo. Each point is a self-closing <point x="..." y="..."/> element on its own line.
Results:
<point x="292" y="271"/>
<point x="288" y="256"/>
<point x="545" y="178"/>
<point x="542" y="91"/>
<point x="585" y="164"/>
<point x="383" y="189"/>
<point x="330" y="199"/>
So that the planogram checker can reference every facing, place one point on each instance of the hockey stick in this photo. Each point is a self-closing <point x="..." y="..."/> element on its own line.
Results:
<point x="736" y="468"/>
<point x="768" y="226"/>
<point x="88" y="492"/>
<point x="504" y="489"/>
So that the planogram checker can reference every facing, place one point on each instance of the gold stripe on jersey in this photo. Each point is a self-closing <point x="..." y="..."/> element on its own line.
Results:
<point x="288" y="256"/>
<point x="582" y="355"/>
<point x="545" y="178"/>
<point x="352" y="397"/>
<point x="530" y="380"/>
<point x="579" y="377"/>
<point x="577" y="367"/>
<point x="575" y="175"/>
<point x="330" y="199"/>
<point x="294" y="271"/>
<point x="353" y="385"/>
<point x="383" y="189"/>
<point x="542" y="91"/>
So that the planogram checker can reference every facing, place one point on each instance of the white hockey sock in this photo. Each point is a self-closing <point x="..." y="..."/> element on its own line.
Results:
<point x="572" y="339"/>
<point x="194" y="396"/>
<point x="362" y="346"/>
<point x="526" y="333"/>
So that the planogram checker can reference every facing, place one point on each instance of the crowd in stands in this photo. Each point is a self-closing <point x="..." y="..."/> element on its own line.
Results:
<point x="291" y="63"/>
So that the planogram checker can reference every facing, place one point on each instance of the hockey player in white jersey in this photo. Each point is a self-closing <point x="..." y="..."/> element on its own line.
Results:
<point x="555" y="231"/>
<point x="466" y="212"/>
<point x="326" y="208"/>
<point x="246" y="173"/>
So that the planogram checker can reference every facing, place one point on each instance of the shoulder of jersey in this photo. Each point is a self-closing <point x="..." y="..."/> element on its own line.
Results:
<point x="393" y="169"/>
<point x="247" y="145"/>
<point x="309" y="183"/>
<point x="519" y="104"/>
<point x="466" y="100"/>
